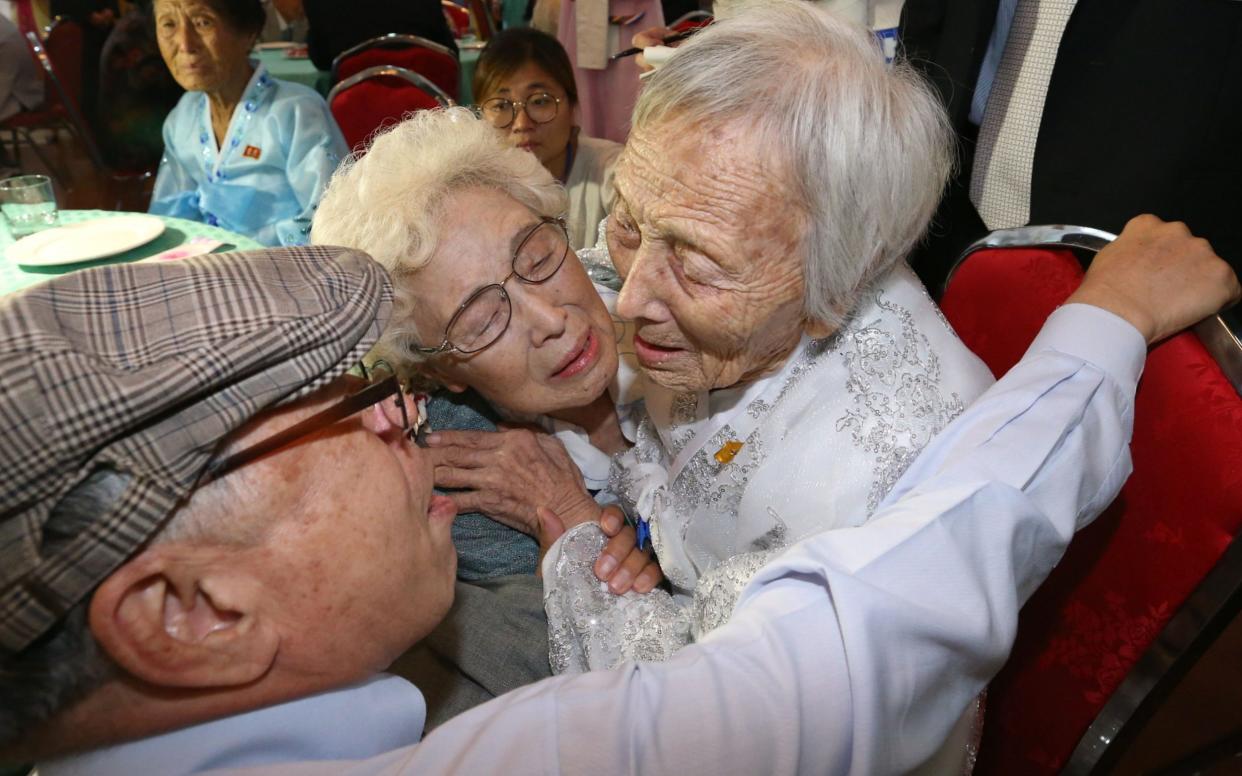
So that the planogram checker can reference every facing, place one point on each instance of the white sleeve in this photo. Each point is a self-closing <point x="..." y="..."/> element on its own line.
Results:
<point x="856" y="650"/>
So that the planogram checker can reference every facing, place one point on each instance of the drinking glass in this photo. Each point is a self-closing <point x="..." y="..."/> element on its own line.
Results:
<point x="28" y="204"/>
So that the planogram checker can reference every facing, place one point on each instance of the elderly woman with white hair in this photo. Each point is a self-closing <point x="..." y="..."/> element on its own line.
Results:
<point x="798" y="364"/>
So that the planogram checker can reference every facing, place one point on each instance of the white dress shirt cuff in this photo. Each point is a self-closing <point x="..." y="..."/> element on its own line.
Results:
<point x="1096" y="336"/>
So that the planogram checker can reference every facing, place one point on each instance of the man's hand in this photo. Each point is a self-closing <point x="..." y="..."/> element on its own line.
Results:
<point x="622" y="565"/>
<point x="1159" y="277"/>
<point x="507" y="475"/>
<point x="652" y="36"/>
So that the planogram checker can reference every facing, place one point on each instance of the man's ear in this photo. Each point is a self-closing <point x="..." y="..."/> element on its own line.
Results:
<point x="185" y="616"/>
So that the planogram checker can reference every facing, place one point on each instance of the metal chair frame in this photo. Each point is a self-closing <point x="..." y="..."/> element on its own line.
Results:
<point x="391" y="40"/>
<point x="690" y="16"/>
<point x="1213" y="604"/>
<point x="71" y="119"/>
<point x="381" y="71"/>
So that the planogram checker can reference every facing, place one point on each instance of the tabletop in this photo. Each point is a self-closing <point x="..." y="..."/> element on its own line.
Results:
<point x="298" y="71"/>
<point x="177" y="231"/>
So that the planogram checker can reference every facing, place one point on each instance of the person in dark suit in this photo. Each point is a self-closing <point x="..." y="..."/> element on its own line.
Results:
<point x="336" y="26"/>
<point x="1142" y="114"/>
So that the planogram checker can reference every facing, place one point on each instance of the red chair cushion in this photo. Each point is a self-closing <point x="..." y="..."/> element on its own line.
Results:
<point x="362" y="109"/>
<point x="1133" y="568"/>
<point x="458" y="18"/>
<point x="690" y="24"/>
<point x="439" y="68"/>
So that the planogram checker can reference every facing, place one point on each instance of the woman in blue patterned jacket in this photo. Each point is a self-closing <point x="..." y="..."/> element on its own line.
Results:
<point x="242" y="150"/>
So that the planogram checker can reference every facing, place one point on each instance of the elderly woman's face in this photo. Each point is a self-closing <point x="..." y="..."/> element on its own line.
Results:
<point x="559" y="350"/>
<point x="708" y="243"/>
<point x="548" y="140"/>
<point x="202" y="50"/>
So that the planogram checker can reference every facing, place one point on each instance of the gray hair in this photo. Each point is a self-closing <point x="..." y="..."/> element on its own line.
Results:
<point x="66" y="663"/>
<point x="867" y="146"/>
<point x="389" y="202"/>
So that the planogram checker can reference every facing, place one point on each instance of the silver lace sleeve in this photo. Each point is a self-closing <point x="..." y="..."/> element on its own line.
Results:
<point x="589" y="628"/>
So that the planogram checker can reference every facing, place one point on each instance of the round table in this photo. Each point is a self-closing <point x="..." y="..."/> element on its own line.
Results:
<point x="297" y="70"/>
<point x="177" y="231"/>
<point x="302" y="71"/>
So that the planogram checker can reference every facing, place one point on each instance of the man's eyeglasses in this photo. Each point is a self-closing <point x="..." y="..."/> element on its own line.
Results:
<point x="500" y="112"/>
<point x="484" y="316"/>
<point x="382" y="384"/>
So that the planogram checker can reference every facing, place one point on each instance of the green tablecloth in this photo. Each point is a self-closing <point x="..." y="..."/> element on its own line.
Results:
<point x="302" y="71"/>
<point x="299" y="71"/>
<point x="467" y="58"/>
<point x="176" y="232"/>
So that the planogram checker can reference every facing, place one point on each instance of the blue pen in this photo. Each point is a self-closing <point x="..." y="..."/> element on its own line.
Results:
<point x="643" y="530"/>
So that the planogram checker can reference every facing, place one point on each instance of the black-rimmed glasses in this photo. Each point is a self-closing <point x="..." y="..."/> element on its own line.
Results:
<point x="484" y="316"/>
<point x="500" y="112"/>
<point x="382" y="384"/>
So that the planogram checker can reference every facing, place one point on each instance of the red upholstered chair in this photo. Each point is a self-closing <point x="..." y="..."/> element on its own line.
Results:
<point x="367" y="101"/>
<point x="690" y="20"/>
<point x="1153" y="581"/>
<point x="481" y="19"/>
<point x="429" y="59"/>
<point x="63" y="43"/>
<point x="458" y="18"/>
<point x="58" y="111"/>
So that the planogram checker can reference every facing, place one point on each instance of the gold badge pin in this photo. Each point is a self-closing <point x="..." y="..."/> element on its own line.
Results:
<point x="728" y="451"/>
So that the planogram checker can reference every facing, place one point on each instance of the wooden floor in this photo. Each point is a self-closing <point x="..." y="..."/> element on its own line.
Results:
<point x="1205" y="709"/>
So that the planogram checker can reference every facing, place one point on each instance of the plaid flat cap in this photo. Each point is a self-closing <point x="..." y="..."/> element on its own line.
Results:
<point x="144" y="368"/>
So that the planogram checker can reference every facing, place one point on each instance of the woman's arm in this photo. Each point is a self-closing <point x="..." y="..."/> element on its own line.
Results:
<point x="316" y="147"/>
<point x="176" y="190"/>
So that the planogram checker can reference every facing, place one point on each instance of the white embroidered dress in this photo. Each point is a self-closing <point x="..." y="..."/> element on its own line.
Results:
<point x="823" y="440"/>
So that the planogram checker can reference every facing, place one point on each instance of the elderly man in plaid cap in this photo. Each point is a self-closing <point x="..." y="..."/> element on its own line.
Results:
<point x="212" y="540"/>
<point x="158" y="567"/>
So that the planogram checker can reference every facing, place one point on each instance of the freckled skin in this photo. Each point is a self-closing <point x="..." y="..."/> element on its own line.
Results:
<point x="709" y="243"/>
<point x="351" y="549"/>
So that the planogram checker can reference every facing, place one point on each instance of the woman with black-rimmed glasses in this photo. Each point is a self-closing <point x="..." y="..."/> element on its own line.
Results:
<point x="524" y="86"/>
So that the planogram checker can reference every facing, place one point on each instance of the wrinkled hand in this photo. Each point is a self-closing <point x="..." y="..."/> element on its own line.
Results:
<point x="1159" y="277"/>
<point x="652" y="36"/>
<point x="622" y="565"/>
<point x="507" y="475"/>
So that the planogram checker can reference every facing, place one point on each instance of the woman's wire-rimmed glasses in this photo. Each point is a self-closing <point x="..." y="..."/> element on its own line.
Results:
<point x="484" y="316"/>
<point x="500" y="112"/>
<point x="382" y="384"/>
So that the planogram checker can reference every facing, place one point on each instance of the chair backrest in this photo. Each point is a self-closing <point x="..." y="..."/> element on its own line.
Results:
<point x="63" y="43"/>
<point x="458" y="18"/>
<point x="418" y="55"/>
<point x="55" y="95"/>
<point x="23" y="15"/>
<point x="1151" y="583"/>
<point x="367" y="101"/>
<point x="481" y="19"/>
<point x="690" y="20"/>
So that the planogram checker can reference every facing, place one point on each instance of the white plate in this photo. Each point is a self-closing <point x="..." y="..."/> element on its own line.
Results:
<point x="84" y="241"/>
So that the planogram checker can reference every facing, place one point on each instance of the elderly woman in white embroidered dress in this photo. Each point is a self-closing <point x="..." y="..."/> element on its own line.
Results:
<point x="776" y="175"/>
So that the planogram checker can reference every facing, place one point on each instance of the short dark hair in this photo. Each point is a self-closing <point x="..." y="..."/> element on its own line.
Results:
<point x="244" y="16"/>
<point x="509" y="50"/>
